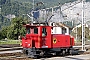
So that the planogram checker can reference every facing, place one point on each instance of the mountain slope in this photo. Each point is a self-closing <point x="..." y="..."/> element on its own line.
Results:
<point x="47" y="3"/>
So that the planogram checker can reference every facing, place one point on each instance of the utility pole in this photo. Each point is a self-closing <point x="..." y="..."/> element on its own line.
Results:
<point x="33" y="4"/>
<point x="83" y="27"/>
<point x="32" y="12"/>
<point x="60" y="11"/>
<point x="0" y="10"/>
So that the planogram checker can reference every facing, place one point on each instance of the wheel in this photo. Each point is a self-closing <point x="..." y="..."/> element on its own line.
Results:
<point x="58" y="53"/>
<point x="25" y="51"/>
<point x="70" y="51"/>
<point x="34" y="57"/>
<point x="63" y="52"/>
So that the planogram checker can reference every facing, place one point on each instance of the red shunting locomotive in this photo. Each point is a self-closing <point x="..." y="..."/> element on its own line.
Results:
<point x="40" y="41"/>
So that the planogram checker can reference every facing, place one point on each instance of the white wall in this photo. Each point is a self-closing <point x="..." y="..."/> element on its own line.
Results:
<point x="57" y="30"/>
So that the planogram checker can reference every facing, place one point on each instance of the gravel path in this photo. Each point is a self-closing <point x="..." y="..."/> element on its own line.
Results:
<point x="75" y="57"/>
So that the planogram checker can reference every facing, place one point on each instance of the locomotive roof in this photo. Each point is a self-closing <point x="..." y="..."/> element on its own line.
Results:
<point x="43" y="25"/>
<point x="29" y="25"/>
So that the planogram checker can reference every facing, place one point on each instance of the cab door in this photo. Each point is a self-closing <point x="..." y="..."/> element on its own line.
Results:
<point x="46" y="37"/>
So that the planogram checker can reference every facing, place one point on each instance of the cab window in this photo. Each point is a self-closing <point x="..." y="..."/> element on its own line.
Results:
<point x="35" y="30"/>
<point x="28" y="30"/>
<point x="44" y="33"/>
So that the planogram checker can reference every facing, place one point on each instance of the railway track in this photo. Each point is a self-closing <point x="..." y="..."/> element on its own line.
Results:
<point x="15" y="53"/>
<point x="13" y="56"/>
<point x="9" y="49"/>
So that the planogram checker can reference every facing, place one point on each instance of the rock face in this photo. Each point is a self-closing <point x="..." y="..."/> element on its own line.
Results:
<point x="74" y="11"/>
<point x="67" y="12"/>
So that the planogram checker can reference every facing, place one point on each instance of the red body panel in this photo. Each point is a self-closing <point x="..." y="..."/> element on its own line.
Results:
<point x="61" y="41"/>
<point x="26" y="43"/>
<point x="72" y="41"/>
<point x="32" y="40"/>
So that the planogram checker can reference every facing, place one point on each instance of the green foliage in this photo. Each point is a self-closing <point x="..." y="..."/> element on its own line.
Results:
<point x="12" y="7"/>
<point x="3" y="32"/>
<point x="15" y="8"/>
<point x="19" y="7"/>
<point x="47" y="3"/>
<point x="14" y="30"/>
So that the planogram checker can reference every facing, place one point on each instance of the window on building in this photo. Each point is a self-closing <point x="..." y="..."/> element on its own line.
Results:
<point x="63" y="30"/>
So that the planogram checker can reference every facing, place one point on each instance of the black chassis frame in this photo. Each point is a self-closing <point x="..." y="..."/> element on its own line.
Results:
<point x="35" y="52"/>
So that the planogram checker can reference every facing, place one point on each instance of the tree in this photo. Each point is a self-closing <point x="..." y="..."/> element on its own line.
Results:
<point x="17" y="24"/>
<point x="79" y="33"/>
<point x="15" y="30"/>
<point x="3" y="32"/>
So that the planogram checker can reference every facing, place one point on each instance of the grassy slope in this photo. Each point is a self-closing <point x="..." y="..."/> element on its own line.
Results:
<point x="47" y="2"/>
<point x="10" y="42"/>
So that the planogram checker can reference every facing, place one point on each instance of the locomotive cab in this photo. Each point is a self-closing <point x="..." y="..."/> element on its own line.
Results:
<point x="37" y="38"/>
